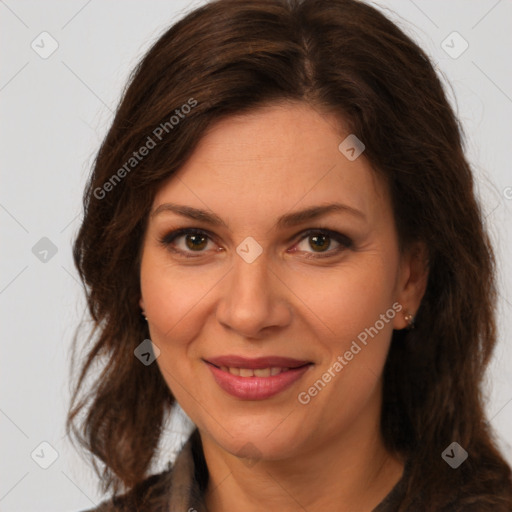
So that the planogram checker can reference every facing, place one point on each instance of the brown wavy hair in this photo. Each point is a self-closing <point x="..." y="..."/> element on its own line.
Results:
<point x="340" y="56"/>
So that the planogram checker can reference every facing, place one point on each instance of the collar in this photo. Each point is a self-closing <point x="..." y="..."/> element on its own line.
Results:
<point x="187" y="478"/>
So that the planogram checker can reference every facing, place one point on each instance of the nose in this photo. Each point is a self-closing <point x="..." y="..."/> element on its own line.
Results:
<point x="254" y="301"/>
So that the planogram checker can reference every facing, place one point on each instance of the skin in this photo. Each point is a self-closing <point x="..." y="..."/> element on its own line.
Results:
<point x="249" y="170"/>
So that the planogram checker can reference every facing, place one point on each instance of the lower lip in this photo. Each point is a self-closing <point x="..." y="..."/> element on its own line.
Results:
<point x="256" y="388"/>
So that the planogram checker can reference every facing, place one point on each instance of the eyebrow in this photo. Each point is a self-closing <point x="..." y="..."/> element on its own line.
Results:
<point x="285" y="221"/>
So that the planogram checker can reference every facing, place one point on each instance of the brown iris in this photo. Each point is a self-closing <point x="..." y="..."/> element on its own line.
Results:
<point x="195" y="241"/>
<point x="317" y="242"/>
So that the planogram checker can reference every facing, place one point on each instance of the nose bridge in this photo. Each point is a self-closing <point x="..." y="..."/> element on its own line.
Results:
<point x="251" y="302"/>
<point x="250" y="278"/>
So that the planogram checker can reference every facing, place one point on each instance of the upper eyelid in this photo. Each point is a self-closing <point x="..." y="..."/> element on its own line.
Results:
<point x="176" y="233"/>
<point x="300" y="236"/>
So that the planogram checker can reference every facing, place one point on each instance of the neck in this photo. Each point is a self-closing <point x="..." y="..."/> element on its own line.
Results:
<point x="348" y="471"/>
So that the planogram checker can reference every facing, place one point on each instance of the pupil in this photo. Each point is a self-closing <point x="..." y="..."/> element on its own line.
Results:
<point x="196" y="241"/>
<point x="324" y="238"/>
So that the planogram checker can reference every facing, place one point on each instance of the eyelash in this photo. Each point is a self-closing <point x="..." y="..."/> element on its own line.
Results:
<point x="344" y="241"/>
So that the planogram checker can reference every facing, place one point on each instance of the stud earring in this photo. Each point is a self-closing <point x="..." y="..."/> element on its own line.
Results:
<point x="143" y="313"/>
<point x="409" y="318"/>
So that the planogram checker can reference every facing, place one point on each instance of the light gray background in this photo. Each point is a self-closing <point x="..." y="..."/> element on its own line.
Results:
<point x="55" y="112"/>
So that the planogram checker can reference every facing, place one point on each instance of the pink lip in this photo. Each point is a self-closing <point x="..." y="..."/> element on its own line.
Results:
<point x="256" y="388"/>
<point x="255" y="363"/>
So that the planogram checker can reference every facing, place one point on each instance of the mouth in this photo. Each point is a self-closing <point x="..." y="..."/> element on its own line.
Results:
<point x="256" y="379"/>
<point x="257" y="372"/>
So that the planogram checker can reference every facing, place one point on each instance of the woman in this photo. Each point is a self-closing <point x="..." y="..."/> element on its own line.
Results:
<point x="283" y="207"/>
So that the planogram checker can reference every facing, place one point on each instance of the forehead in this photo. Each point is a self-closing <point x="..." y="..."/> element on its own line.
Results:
<point x="271" y="159"/>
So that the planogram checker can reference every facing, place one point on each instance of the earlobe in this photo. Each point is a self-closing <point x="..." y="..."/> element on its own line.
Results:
<point x="143" y="310"/>
<point x="412" y="286"/>
<point x="409" y="318"/>
<point x="404" y="320"/>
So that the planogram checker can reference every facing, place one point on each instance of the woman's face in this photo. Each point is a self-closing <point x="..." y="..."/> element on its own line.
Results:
<point x="274" y="315"/>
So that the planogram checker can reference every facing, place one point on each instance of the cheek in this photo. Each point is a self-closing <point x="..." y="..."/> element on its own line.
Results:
<point x="349" y="299"/>
<point x="175" y="301"/>
<point x="174" y="298"/>
<point x="355" y="310"/>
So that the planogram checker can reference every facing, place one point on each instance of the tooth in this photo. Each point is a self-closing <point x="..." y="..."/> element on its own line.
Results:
<point x="224" y="369"/>
<point x="262" y="372"/>
<point x="246" y="372"/>
<point x="275" y="371"/>
<point x="234" y="371"/>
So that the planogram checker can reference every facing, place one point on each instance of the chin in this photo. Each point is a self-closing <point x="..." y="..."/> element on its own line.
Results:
<point x="259" y="438"/>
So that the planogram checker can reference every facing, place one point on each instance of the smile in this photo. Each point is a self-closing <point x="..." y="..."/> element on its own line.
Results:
<point x="249" y="372"/>
<point x="256" y="379"/>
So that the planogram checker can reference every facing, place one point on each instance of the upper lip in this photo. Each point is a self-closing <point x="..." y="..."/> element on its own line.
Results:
<point x="232" y="361"/>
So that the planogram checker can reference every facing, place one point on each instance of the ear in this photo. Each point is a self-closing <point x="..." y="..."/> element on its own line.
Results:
<point x="411" y="283"/>
<point x="141" y="303"/>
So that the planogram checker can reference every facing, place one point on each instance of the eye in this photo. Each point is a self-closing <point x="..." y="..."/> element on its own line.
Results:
<point x="187" y="241"/>
<point x="320" y="240"/>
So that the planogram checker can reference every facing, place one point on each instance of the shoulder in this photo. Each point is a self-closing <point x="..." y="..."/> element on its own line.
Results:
<point x="149" y="495"/>
<point x="469" y="491"/>
<point x="156" y="493"/>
